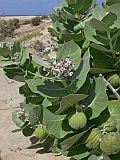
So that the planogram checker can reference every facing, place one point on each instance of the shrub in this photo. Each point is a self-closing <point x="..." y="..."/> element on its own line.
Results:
<point x="73" y="79"/>
<point x="8" y="27"/>
<point x="14" y="23"/>
<point x="26" y="22"/>
<point x="35" y="21"/>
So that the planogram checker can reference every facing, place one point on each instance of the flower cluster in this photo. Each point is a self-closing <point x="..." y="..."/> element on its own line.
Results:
<point x="63" y="68"/>
<point x="21" y="114"/>
<point x="15" y="57"/>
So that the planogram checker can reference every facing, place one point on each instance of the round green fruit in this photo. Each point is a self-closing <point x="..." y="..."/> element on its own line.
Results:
<point x="93" y="139"/>
<point x="110" y="143"/>
<point x="114" y="80"/>
<point x="78" y="120"/>
<point x="40" y="133"/>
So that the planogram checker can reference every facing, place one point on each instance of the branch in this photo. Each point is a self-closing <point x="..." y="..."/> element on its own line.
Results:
<point x="111" y="87"/>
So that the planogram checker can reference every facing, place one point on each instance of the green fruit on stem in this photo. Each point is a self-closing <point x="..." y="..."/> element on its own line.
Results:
<point x="40" y="133"/>
<point x="114" y="80"/>
<point x="78" y="120"/>
<point x="110" y="143"/>
<point x="93" y="139"/>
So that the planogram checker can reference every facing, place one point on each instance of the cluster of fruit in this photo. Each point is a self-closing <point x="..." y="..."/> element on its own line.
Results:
<point x="103" y="139"/>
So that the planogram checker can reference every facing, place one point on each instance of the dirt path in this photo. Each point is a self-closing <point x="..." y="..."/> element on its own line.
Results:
<point x="13" y="145"/>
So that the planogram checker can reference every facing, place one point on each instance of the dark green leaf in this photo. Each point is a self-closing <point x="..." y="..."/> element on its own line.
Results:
<point x="68" y="36"/>
<point x="111" y="2"/>
<point x="109" y="18"/>
<point x="69" y="101"/>
<point x="101" y="70"/>
<point x="4" y="52"/>
<point x="100" y="47"/>
<point x="82" y="5"/>
<point x="99" y="25"/>
<point x="28" y="131"/>
<point x="69" y="142"/>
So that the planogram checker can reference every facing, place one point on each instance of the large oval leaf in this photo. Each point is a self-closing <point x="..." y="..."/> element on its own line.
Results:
<point x="69" y="101"/>
<point x="99" y="25"/>
<point x="98" y="96"/>
<point x="82" y="5"/>
<point x="54" y="123"/>
<point x="72" y="50"/>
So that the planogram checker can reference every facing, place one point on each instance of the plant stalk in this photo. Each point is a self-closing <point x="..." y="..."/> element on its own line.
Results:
<point x="111" y="87"/>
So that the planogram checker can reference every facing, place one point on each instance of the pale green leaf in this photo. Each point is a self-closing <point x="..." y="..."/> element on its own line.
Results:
<point x="114" y="109"/>
<point x="54" y="123"/>
<point x="72" y="50"/>
<point x="100" y="100"/>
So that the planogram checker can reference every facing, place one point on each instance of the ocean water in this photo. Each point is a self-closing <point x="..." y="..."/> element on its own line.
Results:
<point x="29" y="7"/>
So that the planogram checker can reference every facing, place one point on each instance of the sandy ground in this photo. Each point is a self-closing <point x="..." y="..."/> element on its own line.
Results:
<point x="18" y="17"/>
<point x="13" y="144"/>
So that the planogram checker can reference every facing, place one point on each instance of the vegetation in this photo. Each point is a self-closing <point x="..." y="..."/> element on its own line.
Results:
<point x="7" y="28"/>
<point x="75" y="80"/>
<point x="35" y="21"/>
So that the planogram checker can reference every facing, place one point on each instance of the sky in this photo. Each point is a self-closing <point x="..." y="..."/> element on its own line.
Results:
<point x="28" y="7"/>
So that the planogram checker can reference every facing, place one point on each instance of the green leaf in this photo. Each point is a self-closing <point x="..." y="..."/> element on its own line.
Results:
<point x="94" y="157"/>
<point x="82" y="5"/>
<point x="100" y="48"/>
<point x="28" y="131"/>
<point x="54" y="123"/>
<point x="114" y="109"/>
<point x="111" y="2"/>
<point x="17" y="120"/>
<point x="100" y="100"/>
<point x="69" y="101"/>
<point x="101" y="70"/>
<point x="34" y="113"/>
<point x="23" y="56"/>
<point x="99" y="25"/>
<point x="72" y="50"/>
<point x="86" y="44"/>
<point x="101" y="59"/>
<point x="68" y="36"/>
<point x="90" y="33"/>
<point x="99" y="13"/>
<point x="13" y="72"/>
<point x="4" y="52"/>
<point x="109" y="18"/>
<point x="70" y="1"/>
<point x="116" y="35"/>
<point x="41" y="62"/>
<point x="69" y="142"/>
<point x="78" y="151"/>
<point x="16" y="48"/>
